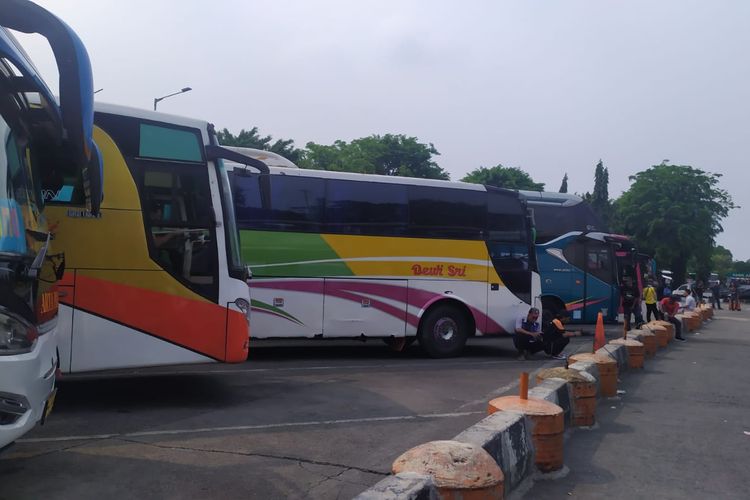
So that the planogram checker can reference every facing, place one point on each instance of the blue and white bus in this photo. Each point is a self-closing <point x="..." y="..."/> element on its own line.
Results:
<point x="581" y="264"/>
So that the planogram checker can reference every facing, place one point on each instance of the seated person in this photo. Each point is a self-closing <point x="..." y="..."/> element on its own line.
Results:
<point x="669" y="307"/>
<point x="556" y="337"/>
<point x="528" y="337"/>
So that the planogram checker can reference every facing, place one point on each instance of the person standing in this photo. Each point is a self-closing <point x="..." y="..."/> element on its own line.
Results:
<point x="629" y="296"/>
<point x="649" y="297"/>
<point x="716" y="295"/>
<point x="669" y="308"/>
<point x="527" y="336"/>
<point x="690" y="301"/>
<point x="699" y="289"/>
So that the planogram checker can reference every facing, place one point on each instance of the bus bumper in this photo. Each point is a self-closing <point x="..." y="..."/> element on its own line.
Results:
<point x="27" y="388"/>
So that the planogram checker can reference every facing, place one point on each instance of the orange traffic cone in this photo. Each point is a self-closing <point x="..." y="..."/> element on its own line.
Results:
<point x="599" y="339"/>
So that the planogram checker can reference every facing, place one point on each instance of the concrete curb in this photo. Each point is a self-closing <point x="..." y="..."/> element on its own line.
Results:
<point x="406" y="486"/>
<point x="506" y="436"/>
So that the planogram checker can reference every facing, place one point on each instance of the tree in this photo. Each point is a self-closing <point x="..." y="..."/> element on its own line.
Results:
<point x="674" y="211"/>
<point x="504" y="177"/>
<point x="741" y="266"/>
<point x="599" y="198"/>
<point x="389" y="154"/>
<point x="721" y="261"/>
<point x="564" y="185"/>
<point x="252" y="139"/>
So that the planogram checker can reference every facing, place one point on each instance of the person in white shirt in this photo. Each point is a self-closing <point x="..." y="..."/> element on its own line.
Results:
<point x="528" y="335"/>
<point x="689" y="302"/>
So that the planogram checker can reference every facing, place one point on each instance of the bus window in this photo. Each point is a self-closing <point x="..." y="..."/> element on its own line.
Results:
<point x="504" y="221"/>
<point x="509" y="256"/>
<point x="599" y="262"/>
<point x="447" y="213"/>
<point x="247" y="200"/>
<point x="169" y="143"/>
<point x="369" y="208"/>
<point x="180" y="223"/>
<point x="296" y="203"/>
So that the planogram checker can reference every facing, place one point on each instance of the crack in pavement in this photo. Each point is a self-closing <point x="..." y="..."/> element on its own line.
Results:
<point x="48" y="452"/>
<point x="259" y="455"/>
<point x="325" y="476"/>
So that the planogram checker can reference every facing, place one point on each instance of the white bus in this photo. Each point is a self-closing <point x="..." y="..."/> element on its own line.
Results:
<point x="336" y="254"/>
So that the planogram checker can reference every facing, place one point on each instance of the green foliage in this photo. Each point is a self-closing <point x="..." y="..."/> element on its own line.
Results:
<point x="599" y="198"/>
<point x="252" y="139"/>
<point x="675" y="211"/>
<point x="721" y="261"/>
<point x="388" y="154"/>
<point x="564" y="185"/>
<point x="740" y="266"/>
<point x="504" y="177"/>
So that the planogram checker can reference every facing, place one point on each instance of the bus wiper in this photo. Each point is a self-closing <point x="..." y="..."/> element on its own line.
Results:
<point x="36" y="265"/>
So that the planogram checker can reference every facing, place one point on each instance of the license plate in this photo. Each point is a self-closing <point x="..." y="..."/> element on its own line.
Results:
<point x="48" y="405"/>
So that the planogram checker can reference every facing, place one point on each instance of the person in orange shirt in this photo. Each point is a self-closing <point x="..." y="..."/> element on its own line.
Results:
<point x="556" y="336"/>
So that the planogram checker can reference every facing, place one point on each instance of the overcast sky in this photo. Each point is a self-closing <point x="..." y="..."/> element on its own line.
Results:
<point x="547" y="86"/>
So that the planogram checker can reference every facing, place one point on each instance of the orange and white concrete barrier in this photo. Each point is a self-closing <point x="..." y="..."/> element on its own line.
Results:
<point x="607" y="368"/>
<point x="635" y="349"/>
<point x="660" y="332"/>
<point x="460" y="471"/>
<point x="649" y="340"/>
<point x="548" y="425"/>
<point x="582" y="390"/>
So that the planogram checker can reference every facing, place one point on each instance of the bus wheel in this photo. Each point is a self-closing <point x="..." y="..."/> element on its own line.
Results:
<point x="443" y="332"/>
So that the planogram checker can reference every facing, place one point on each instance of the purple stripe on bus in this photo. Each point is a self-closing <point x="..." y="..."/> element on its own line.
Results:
<point x="347" y="289"/>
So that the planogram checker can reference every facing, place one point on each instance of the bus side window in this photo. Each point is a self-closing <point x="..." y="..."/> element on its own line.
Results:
<point x="509" y="256"/>
<point x="247" y="200"/>
<point x="447" y="213"/>
<point x="368" y="208"/>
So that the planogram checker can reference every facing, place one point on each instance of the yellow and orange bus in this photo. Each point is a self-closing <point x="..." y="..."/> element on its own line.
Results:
<point x="159" y="279"/>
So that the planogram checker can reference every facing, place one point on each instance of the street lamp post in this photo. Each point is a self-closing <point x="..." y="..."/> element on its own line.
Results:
<point x="182" y="91"/>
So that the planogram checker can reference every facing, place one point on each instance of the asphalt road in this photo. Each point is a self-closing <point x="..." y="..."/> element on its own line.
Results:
<point x="298" y="420"/>
<point x="682" y="430"/>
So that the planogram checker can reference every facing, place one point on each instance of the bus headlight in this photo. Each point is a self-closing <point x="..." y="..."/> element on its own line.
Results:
<point x="17" y="336"/>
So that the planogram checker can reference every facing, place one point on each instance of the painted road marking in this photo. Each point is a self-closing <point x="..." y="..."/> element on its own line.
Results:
<point x="203" y="430"/>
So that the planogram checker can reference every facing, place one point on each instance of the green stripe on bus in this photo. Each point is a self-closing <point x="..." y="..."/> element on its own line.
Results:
<point x="288" y="252"/>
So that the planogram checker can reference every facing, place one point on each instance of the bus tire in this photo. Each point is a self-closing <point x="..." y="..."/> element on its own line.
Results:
<point x="443" y="331"/>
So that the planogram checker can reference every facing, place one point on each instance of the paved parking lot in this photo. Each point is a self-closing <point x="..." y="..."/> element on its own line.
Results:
<point x="298" y="420"/>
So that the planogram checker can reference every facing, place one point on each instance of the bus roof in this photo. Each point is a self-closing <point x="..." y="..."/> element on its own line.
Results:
<point x="551" y="198"/>
<point x="268" y="157"/>
<point x="592" y="235"/>
<point x="146" y="114"/>
<point x="388" y="179"/>
<point x="557" y="214"/>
